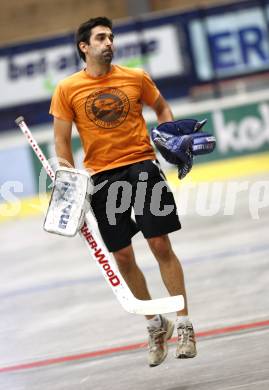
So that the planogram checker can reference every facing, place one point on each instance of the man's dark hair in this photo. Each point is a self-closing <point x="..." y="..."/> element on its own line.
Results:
<point x="84" y="31"/>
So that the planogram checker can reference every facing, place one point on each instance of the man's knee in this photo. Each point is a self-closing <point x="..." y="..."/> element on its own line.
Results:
<point x="160" y="247"/>
<point x="124" y="257"/>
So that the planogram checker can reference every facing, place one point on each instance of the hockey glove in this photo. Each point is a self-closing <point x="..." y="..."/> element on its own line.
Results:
<point x="180" y="140"/>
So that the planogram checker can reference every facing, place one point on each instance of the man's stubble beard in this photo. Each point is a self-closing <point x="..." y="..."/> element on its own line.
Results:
<point x="107" y="57"/>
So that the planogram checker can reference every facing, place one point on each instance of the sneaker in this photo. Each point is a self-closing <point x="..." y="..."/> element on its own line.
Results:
<point x="186" y="344"/>
<point x="158" y="337"/>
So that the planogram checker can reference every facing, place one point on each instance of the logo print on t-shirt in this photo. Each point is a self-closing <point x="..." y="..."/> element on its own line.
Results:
<point x="107" y="107"/>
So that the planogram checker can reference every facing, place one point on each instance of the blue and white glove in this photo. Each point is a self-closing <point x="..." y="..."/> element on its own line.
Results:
<point x="179" y="141"/>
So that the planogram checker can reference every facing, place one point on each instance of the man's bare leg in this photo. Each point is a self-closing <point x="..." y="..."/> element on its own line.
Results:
<point x="173" y="277"/>
<point x="132" y="274"/>
<point x="158" y="335"/>
<point x="170" y="268"/>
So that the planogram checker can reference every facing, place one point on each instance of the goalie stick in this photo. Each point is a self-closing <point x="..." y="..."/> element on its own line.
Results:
<point x="102" y="257"/>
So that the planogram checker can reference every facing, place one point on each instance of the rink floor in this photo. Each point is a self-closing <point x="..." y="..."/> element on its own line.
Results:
<point x="62" y="328"/>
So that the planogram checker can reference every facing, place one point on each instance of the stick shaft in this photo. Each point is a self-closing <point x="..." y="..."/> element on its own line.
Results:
<point x="34" y="145"/>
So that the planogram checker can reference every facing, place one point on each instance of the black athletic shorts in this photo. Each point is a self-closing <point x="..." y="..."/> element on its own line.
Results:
<point x="141" y="187"/>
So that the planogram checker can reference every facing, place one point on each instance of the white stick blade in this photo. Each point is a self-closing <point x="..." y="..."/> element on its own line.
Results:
<point x="155" y="306"/>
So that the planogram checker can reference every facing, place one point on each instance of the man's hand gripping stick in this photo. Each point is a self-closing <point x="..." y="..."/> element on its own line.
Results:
<point x="69" y="202"/>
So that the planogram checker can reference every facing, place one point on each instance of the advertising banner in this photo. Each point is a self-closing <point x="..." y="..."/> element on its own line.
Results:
<point x="230" y="43"/>
<point x="31" y="75"/>
<point x="148" y="49"/>
<point x="17" y="176"/>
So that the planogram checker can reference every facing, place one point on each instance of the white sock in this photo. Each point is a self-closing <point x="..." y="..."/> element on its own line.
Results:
<point x="155" y="322"/>
<point x="182" y="319"/>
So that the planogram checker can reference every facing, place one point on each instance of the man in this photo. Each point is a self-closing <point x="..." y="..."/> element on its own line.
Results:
<point x="105" y="102"/>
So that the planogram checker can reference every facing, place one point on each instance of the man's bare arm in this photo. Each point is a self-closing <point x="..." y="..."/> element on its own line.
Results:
<point x="162" y="110"/>
<point x="62" y="138"/>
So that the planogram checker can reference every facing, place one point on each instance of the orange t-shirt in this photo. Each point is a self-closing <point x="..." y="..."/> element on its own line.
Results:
<point x="107" y="111"/>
